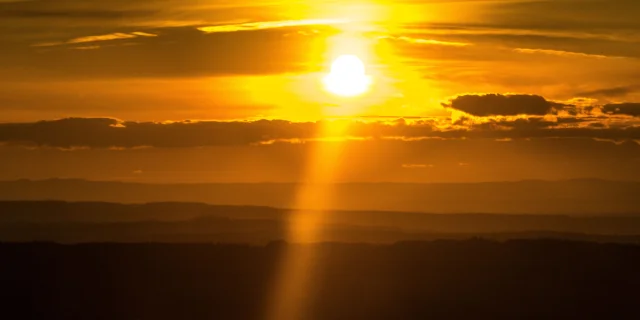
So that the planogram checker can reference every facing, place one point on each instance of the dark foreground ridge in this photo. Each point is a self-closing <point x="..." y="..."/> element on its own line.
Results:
<point x="472" y="279"/>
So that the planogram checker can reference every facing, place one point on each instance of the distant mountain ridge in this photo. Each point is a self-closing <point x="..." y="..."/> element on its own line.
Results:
<point x="573" y="197"/>
<point x="74" y="222"/>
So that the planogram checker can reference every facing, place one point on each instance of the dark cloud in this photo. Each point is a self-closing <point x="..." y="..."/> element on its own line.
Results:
<point x="566" y="14"/>
<point x="502" y="105"/>
<point x="609" y="92"/>
<point x="103" y="133"/>
<point x="78" y="14"/>
<point x="630" y="109"/>
<point x="106" y="133"/>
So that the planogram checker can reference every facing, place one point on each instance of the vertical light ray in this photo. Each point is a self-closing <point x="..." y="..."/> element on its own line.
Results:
<point x="294" y="284"/>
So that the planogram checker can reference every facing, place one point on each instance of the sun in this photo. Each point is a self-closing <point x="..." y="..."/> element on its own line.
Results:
<point x="348" y="77"/>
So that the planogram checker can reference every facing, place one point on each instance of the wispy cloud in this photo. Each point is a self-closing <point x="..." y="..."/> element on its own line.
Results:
<point x="561" y="53"/>
<point x="428" y="41"/>
<point x="269" y="25"/>
<point x="434" y="42"/>
<point x="106" y="37"/>
<point x="97" y="38"/>
<point x="417" y="166"/>
<point x="480" y="30"/>
<point x="144" y="34"/>
<point x="86" y="47"/>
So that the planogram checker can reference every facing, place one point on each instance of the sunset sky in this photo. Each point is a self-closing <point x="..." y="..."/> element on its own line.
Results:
<point x="232" y="91"/>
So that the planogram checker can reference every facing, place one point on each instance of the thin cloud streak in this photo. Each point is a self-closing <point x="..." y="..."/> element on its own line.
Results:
<point x="429" y="41"/>
<point x="269" y="25"/>
<point x="98" y="38"/>
<point x="561" y="53"/>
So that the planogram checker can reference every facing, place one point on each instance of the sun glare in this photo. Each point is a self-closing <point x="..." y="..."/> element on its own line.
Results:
<point x="348" y="77"/>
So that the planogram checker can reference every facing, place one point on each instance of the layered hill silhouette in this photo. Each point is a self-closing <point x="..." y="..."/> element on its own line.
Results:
<point x="574" y="197"/>
<point x="75" y="222"/>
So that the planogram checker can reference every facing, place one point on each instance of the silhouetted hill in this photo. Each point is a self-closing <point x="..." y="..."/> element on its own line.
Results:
<point x="192" y="222"/>
<point x="411" y="280"/>
<point x="586" y="196"/>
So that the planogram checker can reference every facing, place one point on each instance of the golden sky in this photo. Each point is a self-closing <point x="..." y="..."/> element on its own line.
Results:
<point x="173" y="60"/>
<point x="443" y="72"/>
<point x="319" y="91"/>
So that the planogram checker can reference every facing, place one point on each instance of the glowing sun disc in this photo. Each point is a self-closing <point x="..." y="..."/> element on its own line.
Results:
<point x="348" y="77"/>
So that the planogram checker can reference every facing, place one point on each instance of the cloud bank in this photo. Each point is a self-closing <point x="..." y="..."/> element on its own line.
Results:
<point x="492" y="116"/>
